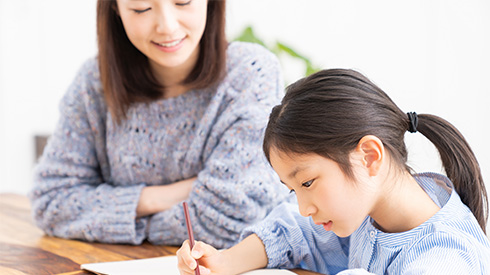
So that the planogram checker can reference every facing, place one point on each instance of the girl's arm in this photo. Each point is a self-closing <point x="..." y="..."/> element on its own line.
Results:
<point x="293" y="241"/>
<point x="247" y="255"/>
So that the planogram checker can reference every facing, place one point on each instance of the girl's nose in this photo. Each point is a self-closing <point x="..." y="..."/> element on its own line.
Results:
<point x="167" y="21"/>
<point x="306" y="208"/>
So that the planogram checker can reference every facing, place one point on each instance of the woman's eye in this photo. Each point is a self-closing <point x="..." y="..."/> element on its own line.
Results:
<point x="307" y="184"/>
<point x="183" y="3"/>
<point x="142" y="11"/>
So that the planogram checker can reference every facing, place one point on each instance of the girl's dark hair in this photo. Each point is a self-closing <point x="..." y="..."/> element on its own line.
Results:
<point x="330" y="111"/>
<point x="125" y="73"/>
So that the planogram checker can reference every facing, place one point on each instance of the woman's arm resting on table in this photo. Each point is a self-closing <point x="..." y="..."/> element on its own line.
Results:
<point x="73" y="196"/>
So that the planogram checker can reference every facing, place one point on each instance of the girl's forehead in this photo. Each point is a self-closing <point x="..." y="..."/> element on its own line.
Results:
<point x="292" y="156"/>
<point x="289" y="164"/>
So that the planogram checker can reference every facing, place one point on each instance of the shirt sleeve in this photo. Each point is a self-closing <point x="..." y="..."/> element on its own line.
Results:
<point x="293" y="241"/>
<point x="236" y="187"/>
<point x="71" y="198"/>
<point x="443" y="253"/>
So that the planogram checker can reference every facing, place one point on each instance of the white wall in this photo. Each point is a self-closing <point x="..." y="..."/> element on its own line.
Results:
<point x="42" y="45"/>
<point x="429" y="56"/>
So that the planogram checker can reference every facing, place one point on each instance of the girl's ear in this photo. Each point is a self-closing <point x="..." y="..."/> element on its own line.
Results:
<point x="372" y="151"/>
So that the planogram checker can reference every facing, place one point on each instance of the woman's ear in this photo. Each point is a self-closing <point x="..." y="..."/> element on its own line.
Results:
<point x="372" y="151"/>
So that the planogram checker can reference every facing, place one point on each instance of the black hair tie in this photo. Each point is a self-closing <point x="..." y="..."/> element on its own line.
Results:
<point x="413" y="122"/>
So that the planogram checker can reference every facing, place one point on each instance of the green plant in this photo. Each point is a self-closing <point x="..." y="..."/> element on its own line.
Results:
<point x="277" y="48"/>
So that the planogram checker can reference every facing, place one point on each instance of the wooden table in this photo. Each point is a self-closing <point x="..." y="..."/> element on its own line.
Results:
<point x="24" y="249"/>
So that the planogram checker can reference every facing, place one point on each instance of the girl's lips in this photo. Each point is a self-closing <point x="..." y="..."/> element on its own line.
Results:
<point x="327" y="226"/>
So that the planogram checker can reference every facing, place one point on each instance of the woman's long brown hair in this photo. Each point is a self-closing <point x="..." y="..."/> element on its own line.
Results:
<point x="125" y="72"/>
<point x="328" y="113"/>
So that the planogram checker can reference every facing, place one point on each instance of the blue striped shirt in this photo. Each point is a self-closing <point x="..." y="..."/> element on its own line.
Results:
<point x="450" y="242"/>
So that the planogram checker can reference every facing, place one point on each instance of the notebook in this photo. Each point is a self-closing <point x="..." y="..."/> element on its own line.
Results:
<point x="157" y="266"/>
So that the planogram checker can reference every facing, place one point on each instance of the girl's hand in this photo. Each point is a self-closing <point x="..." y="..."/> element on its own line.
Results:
<point x="247" y="255"/>
<point x="211" y="260"/>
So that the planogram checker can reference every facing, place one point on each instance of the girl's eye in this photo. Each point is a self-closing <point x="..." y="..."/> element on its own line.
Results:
<point x="292" y="191"/>
<point x="142" y="11"/>
<point x="184" y="3"/>
<point x="307" y="184"/>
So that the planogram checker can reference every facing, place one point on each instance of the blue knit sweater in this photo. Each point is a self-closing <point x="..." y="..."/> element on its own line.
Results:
<point x="88" y="181"/>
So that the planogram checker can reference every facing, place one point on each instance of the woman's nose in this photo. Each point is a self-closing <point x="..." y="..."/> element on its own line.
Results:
<point x="167" y="21"/>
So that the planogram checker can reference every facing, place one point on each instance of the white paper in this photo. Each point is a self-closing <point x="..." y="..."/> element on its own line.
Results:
<point x="157" y="266"/>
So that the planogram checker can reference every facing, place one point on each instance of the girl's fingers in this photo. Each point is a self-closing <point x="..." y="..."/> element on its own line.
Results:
<point x="186" y="263"/>
<point x="204" y="271"/>
<point x="187" y="259"/>
<point x="201" y="249"/>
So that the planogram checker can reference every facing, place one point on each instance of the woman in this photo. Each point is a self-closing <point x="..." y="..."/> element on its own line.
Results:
<point x="168" y="111"/>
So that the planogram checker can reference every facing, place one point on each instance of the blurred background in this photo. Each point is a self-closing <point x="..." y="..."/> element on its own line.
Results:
<point x="429" y="56"/>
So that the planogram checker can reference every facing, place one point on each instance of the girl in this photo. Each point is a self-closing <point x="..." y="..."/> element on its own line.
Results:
<point x="168" y="111"/>
<point x="337" y="142"/>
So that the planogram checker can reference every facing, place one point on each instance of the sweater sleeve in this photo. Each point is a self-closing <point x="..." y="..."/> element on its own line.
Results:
<point x="293" y="241"/>
<point x="236" y="187"/>
<point x="72" y="198"/>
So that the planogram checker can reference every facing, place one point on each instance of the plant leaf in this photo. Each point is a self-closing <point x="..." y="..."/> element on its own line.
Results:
<point x="248" y="35"/>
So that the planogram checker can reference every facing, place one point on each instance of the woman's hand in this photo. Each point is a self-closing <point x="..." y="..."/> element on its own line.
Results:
<point x="247" y="255"/>
<point x="211" y="261"/>
<point x="154" y="199"/>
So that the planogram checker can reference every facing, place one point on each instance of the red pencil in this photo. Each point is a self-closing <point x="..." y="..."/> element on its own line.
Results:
<point x="189" y="232"/>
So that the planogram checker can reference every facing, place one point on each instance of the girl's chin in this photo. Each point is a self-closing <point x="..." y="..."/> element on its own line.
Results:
<point x="342" y="233"/>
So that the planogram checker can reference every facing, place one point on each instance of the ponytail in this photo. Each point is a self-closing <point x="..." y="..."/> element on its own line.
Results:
<point x="459" y="162"/>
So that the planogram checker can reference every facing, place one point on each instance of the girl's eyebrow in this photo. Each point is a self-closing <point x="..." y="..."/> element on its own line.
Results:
<point x="296" y="171"/>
